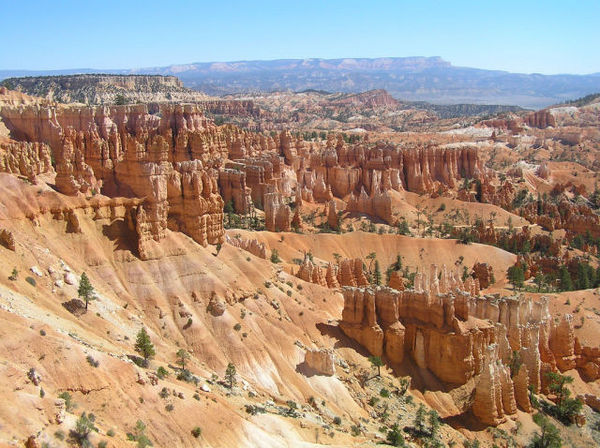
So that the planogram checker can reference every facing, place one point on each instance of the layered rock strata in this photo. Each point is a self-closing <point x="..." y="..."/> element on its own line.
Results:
<point x="462" y="338"/>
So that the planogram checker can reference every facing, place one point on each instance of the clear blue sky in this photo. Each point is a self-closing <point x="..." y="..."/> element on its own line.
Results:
<point x="522" y="36"/>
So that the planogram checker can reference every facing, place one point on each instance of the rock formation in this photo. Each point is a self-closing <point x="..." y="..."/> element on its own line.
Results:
<point x="460" y="337"/>
<point x="278" y="216"/>
<point x="484" y="274"/>
<point x="320" y="361"/>
<point x="351" y="273"/>
<point x="167" y="154"/>
<point x="250" y="245"/>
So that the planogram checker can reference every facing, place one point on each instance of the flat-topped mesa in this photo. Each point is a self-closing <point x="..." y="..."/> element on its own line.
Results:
<point x="168" y="154"/>
<point x="95" y="89"/>
<point x="444" y="327"/>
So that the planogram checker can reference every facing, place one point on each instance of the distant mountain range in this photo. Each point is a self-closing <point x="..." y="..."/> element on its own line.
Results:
<point x="428" y="79"/>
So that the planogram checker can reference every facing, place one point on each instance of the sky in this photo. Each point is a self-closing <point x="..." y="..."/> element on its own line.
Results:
<point x="528" y="36"/>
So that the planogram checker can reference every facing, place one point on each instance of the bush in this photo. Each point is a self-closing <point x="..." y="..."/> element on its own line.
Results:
<point x="394" y="436"/>
<point x="102" y="444"/>
<point x="162" y="373"/>
<point x="355" y="431"/>
<point x="169" y="407"/>
<point x="110" y="432"/>
<point x="83" y="427"/>
<point x="139" y="435"/>
<point x="31" y="281"/>
<point x="237" y="327"/>
<point x="275" y="256"/>
<point x="91" y="361"/>
<point x="373" y="401"/>
<point x="197" y="432"/>
<point x="59" y="434"/>
<point x="337" y="420"/>
<point x="384" y="393"/>
<point x="69" y="405"/>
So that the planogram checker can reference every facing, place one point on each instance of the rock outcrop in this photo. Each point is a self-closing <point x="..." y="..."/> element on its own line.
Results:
<point x="463" y="338"/>
<point x="484" y="274"/>
<point x="169" y="155"/>
<point x="278" y="215"/>
<point x="320" y="361"/>
<point x="250" y="245"/>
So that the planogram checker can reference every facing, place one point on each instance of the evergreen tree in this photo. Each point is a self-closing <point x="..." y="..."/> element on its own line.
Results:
<point x="549" y="437"/>
<point x="583" y="279"/>
<point x="83" y="428"/>
<point x="86" y="290"/>
<point x="566" y="407"/>
<point x="144" y="346"/>
<point x="377" y="273"/>
<point x="394" y="436"/>
<point x="516" y="276"/>
<point x="182" y="357"/>
<point x="230" y="375"/>
<point x="376" y="362"/>
<point x="566" y="284"/>
<point x="419" y="422"/>
<point x="434" y="422"/>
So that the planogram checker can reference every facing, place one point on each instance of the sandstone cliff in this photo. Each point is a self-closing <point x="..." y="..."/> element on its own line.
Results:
<point x="462" y="338"/>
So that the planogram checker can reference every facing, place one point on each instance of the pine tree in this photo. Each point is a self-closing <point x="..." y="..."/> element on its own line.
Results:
<point x="419" y="422"/>
<point x="86" y="290"/>
<point x="549" y="436"/>
<point x="566" y="284"/>
<point x="144" y="346"/>
<point x="434" y="422"/>
<point x="376" y="362"/>
<point x="516" y="276"/>
<point x="230" y="375"/>
<point x="182" y="357"/>
<point x="377" y="274"/>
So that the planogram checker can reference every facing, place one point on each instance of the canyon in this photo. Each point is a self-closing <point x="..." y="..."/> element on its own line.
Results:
<point x="295" y="254"/>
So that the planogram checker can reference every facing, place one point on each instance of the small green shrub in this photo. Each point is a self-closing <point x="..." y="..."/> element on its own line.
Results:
<point x="169" y="407"/>
<point x="59" y="434"/>
<point x="337" y="420"/>
<point x="31" y="281"/>
<point x="162" y="373"/>
<point x="384" y="392"/>
<point x="237" y="327"/>
<point x="373" y="401"/>
<point x="275" y="256"/>
<point x="69" y="405"/>
<point x="197" y="432"/>
<point x="110" y="432"/>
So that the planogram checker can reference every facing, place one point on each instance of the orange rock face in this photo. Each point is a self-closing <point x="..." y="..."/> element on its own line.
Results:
<point x="484" y="274"/>
<point x="445" y="327"/>
<point x="167" y="154"/>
